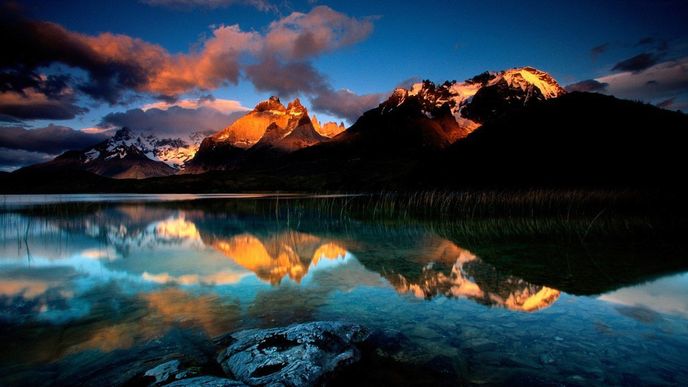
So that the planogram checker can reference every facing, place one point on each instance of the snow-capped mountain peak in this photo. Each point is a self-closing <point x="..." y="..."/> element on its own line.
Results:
<point x="479" y="98"/>
<point x="525" y="77"/>
<point x="172" y="151"/>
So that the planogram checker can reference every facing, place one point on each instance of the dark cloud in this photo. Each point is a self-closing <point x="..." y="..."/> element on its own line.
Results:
<point x="21" y="108"/>
<point x="637" y="63"/>
<point x="175" y="121"/>
<point x="344" y="103"/>
<point x="119" y="64"/>
<point x="658" y="44"/>
<point x="298" y="78"/>
<point x="119" y="67"/>
<point x="52" y="139"/>
<point x="51" y="43"/>
<point x="659" y="83"/>
<point x="300" y="36"/>
<point x="50" y="85"/>
<point x="599" y="50"/>
<point x="408" y="82"/>
<point x="30" y="104"/>
<point x="588" y="85"/>
<point x="667" y="103"/>
<point x="11" y="159"/>
<point x="285" y="79"/>
<point x="648" y="40"/>
<point x="26" y="95"/>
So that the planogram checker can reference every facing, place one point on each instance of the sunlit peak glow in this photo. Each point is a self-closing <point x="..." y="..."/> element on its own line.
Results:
<point x="288" y="254"/>
<point x="472" y="278"/>
<point x="177" y="228"/>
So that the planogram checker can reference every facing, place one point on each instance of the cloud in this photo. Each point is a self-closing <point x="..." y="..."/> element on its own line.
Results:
<point x="261" y="5"/>
<point x="408" y="82"/>
<point x="222" y="105"/>
<point x="637" y="63"/>
<point x="29" y="95"/>
<point x="116" y="66"/>
<point x="588" y="85"/>
<point x="31" y="104"/>
<point x="174" y="121"/>
<point x="285" y="79"/>
<point x="299" y="36"/>
<point x="665" y="84"/>
<point x="658" y="44"/>
<point x="667" y="103"/>
<point x="660" y="81"/>
<point x="292" y="78"/>
<point x="52" y="139"/>
<point x="284" y="67"/>
<point x="345" y="104"/>
<point x="599" y="50"/>
<point x="11" y="159"/>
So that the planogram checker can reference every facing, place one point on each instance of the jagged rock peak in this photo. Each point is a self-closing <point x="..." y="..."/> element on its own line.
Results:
<point x="272" y="104"/>
<point x="516" y="85"/>
<point x="122" y="133"/>
<point x="295" y="108"/>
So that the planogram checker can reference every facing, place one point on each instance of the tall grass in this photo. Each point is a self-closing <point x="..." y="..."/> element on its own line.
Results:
<point x="580" y="214"/>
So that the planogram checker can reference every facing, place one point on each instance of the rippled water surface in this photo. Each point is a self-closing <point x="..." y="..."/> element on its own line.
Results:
<point x="88" y="283"/>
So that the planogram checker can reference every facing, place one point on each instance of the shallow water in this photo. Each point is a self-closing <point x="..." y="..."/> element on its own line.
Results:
<point x="79" y="288"/>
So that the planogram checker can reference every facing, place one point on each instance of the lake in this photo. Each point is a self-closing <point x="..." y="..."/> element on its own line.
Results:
<point x="89" y="283"/>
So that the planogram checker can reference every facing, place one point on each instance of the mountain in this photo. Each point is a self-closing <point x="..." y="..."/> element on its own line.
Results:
<point x="128" y="154"/>
<point x="428" y="116"/>
<point x="414" y="124"/>
<point x="270" y="128"/>
<point x="577" y="139"/>
<point x="530" y="134"/>
<point x="328" y="129"/>
<point x="474" y="101"/>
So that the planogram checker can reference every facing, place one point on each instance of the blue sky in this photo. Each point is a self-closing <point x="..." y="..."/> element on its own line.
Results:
<point x="618" y="44"/>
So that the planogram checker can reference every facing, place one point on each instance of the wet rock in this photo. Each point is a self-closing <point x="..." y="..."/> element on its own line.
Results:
<point x="206" y="381"/>
<point x="164" y="371"/>
<point x="546" y="358"/>
<point x="298" y="355"/>
<point x="191" y="348"/>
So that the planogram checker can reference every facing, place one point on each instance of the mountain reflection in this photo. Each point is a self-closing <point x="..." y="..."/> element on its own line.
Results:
<point x="287" y="254"/>
<point x="188" y="248"/>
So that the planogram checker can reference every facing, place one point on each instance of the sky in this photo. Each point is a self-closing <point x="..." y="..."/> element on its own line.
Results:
<point x="72" y="71"/>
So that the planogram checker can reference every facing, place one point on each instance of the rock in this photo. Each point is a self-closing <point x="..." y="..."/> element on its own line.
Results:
<point x="164" y="371"/>
<point x="206" y="381"/>
<point x="298" y="355"/>
<point x="192" y="348"/>
<point x="546" y="358"/>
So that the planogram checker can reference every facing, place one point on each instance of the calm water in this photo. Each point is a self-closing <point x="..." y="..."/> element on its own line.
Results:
<point x="85" y="284"/>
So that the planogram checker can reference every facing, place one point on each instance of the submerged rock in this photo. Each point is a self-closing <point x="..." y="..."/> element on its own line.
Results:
<point x="298" y="355"/>
<point x="164" y="371"/>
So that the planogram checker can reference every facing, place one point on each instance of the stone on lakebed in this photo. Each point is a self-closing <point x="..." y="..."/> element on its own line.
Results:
<point x="297" y="355"/>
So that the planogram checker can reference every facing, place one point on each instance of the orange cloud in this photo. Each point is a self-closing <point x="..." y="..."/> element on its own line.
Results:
<point x="117" y="63"/>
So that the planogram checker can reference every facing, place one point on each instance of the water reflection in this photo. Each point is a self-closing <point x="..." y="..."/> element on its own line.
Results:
<point x="286" y="254"/>
<point x="159" y="246"/>
<point x="111" y="278"/>
<point x="469" y="277"/>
